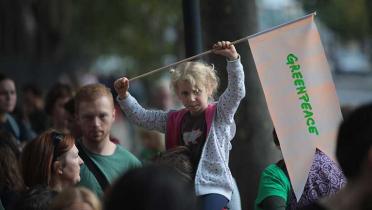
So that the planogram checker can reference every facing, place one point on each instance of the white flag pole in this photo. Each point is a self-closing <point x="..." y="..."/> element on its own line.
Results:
<point x="209" y="51"/>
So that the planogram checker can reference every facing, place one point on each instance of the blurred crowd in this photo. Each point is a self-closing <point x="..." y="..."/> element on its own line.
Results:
<point x="39" y="127"/>
<point x="50" y="140"/>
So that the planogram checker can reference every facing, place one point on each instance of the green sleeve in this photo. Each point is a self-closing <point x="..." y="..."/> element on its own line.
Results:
<point x="273" y="183"/>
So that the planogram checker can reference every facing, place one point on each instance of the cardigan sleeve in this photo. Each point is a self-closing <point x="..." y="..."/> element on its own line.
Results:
<point x="230" y="99"/>
<point x="148" y="119"/>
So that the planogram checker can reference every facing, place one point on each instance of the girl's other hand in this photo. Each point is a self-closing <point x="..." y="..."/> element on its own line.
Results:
<point x="121" y="86"/>
<point x="226" y="49"/>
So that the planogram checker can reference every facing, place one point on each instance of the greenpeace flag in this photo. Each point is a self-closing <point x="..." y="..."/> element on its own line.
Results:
<point x="299" y="92"/>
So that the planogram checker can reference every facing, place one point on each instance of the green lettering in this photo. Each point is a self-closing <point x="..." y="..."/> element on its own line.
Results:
<point x="306" y="106"/>
<point x="301" y="90"/>
<point x="297" y="75"/>
<point x="295" y="67"/>
<point x="310" y="121"/>
<point x="302" y="93"/>
<point x="305" y="97"/>
<point x="291" y="59"/>
<point x="308" y="114"/>
<point x="299" y="82"/>
<point x="313" y="129"/>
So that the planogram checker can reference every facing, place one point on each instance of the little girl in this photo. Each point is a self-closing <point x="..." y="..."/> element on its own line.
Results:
<point x="206" y="128"/>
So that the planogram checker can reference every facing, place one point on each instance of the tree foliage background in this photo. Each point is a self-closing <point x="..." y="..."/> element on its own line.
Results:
<point x="349" y="19"/>
<point x="43" y="38"/>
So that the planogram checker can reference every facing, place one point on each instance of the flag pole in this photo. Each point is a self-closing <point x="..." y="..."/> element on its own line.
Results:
<point x="184" y="60"/>
<point x="209" y="51"/>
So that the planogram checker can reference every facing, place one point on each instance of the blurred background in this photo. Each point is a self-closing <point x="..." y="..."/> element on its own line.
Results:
<point x="43" y="42"/>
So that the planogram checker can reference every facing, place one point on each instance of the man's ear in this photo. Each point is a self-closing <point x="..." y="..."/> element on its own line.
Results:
<point x="57" y="167"/>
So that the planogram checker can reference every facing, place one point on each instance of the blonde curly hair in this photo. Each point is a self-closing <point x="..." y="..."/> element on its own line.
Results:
<point x="198" y="74"/>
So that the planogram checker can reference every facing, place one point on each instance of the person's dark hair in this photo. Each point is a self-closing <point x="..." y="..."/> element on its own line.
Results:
<point x="32" y="88"/>
<point x="151" y="187"/>
<point x="354" y="140"/>
<point x="10" y="175"/>
<point x="275" y="138"/>
<point x="70" y="106"/>
<point x="9" y="139"/>
<point x="3" y="77"/>
<point x="179" y="159"/>
<point x="36" y="198"/>
<point x="57" y="91"/>
<point x="346" y="110"/>
<point x="41" y="153"/>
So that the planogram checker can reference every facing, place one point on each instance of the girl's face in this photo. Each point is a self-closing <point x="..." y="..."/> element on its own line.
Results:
<point x="71" y="166"/>
<point x="8" y="96"/>
<point x="193" y="98"/>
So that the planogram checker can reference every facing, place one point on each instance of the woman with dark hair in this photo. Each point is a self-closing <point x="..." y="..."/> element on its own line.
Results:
<point x="11" y="182"/>
<point x="55" y="101"/>
<point x="8" y="101"/>
<point x="51" y="159"/>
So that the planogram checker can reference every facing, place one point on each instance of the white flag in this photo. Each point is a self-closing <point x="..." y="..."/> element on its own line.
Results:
<point x="299" y="92"/>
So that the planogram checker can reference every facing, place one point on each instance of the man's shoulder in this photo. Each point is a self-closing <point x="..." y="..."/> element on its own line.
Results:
<point x="272" y="168"/>
<point x="121" y="150"/>
<point x="122" y="153"/>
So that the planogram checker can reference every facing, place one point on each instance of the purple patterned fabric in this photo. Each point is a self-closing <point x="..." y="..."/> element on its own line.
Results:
<point x="325" y="178"/>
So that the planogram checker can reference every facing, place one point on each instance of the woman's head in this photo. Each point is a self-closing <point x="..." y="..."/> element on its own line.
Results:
<point x="51" y="159"/>
<point x="8" y="95"/>
<point x="194" y="83"/>
<point x="354" y="141"/>
<point x="55" y="100"/>
<point x="76" y="198"/>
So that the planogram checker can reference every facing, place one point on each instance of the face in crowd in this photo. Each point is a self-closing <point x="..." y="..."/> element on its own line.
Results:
<point x="8" y="96"/>
<point x="57" y="159"/>
<point x="69" y="168"/>
<point x="195" y="99"/>
<point x="96" y="115"/>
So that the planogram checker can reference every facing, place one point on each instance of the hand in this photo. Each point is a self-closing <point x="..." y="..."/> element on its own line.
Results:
<point x="121" y="86"/>
<point x="226" y="49"/>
